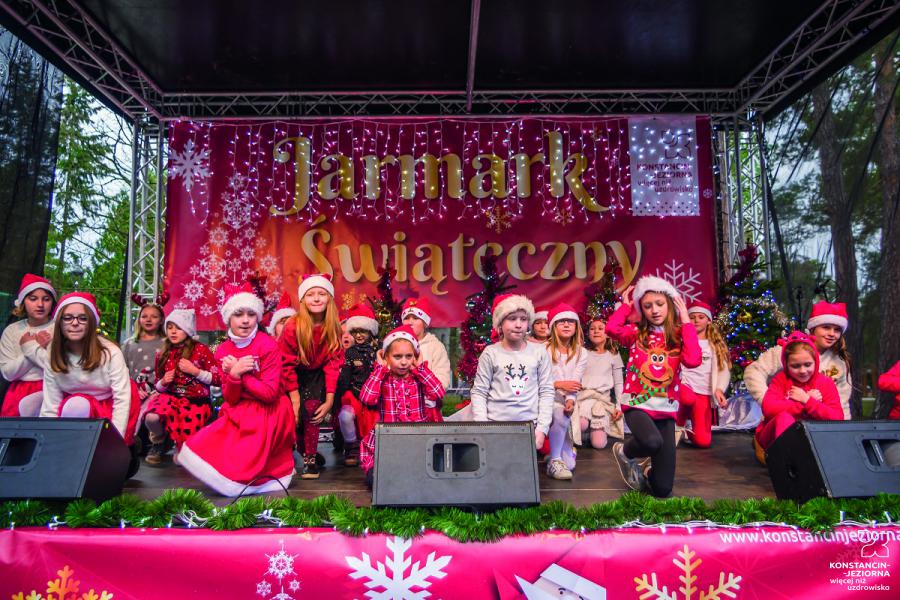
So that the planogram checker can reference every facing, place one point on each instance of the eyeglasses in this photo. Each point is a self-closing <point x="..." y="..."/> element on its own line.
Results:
<point x="67" y="319"/>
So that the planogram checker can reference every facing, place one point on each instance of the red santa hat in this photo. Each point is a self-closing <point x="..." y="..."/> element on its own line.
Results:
<point x="361" y="316"/>
<point x="185" y="319"/>
<point x="541" y="312"/>
<point x="30" y="283"/>
<point x="652" y="283"/>
<point x="317" y="280"/>
<point x="826" y="313"/>
<point x="417" y="307"/>
<point x="404" y="332"/>
<point x="284" y="309"/>
<point x="701" y="307"/>
<point x="240" y="297"/>
<point x="562" y="311"/>
<point x="802" y="338"/>
<point x="85" y="298"/>
<point x="507" y="304"/>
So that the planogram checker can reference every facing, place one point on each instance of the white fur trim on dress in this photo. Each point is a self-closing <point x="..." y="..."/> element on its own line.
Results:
<point x="827" y="320"/>
<point x="360" y="322"/>
<point x="206" y="473"/>
<point x="701" y="310"/>
<point x="279" y="315"/>
<point x="400" y="335"/>
<point x="652" y="283"/>
<point x="37" y="285"/>
<point x="242" y="300"/>
<point x="314" y="282"/>
<point x="566" y="314"/>
<point x="418" y="313"/>
<point x="509" y="306"/>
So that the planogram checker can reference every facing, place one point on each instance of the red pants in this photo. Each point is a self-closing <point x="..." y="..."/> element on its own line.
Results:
<point x="698" y="409"/>
<point x="769" y="431"/>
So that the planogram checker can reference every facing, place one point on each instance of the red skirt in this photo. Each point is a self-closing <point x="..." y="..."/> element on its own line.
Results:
<point x="182" y="417"/>
<point x="365" y="416"/>
<point x="16" y="392"/>
<point x="103" y="409"/>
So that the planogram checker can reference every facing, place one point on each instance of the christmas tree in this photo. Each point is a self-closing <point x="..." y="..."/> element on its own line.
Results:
<point x="475" y="331"/>
<point x="387" y="310"/>
<point x="602" y="296"/>
<point x="747" y="312"/>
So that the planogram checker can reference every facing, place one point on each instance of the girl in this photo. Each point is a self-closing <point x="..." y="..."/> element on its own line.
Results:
<point x="827" y="324"/>
<point x="88" y="377"/>
<point x="540" y="328"/>
<point x="663" y="340"/>
<point x="313" y="355"/>
<point x="568" y="360"/>
<point x="283" y="312"/>
<point x="514" y="379"/>
<point x="248" y="449"/>
<point x="184" y="371"/>
<point x="703" y="388"/>
<point x="23" y="348"/>
<point x="356" y="419"/>
<point x="600" y="413"/>
<point x="890" y="382"/>
<point x="403" y="390"/>
<point x="799" y="391"/>
<point x="149" y="336"/>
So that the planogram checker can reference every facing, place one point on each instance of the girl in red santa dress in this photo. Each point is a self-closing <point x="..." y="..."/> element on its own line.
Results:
<point x="23" y="348"/>
<point x="88" y="377"/>
<point x="248" y="449"/>
<point x="184" y="370"/>
<point x="313" y="355"/>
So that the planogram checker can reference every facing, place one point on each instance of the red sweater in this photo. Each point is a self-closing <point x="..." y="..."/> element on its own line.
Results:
<point x="890" y="382"/>
<point x="184" y="385"/>
<point x="776" y="399"/>
<point x="320" y="358"/>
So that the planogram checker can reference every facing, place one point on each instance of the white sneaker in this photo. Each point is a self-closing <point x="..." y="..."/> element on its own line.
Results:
<point x="556" y="469"/>
<point x="628" y="468"/>
<point x="679" y="433"/>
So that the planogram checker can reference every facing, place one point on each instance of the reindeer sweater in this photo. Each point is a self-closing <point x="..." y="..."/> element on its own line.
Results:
<point x="514" y="386"/>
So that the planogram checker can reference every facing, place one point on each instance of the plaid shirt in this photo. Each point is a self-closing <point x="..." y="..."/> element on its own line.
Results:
<point x="398" y="401"/>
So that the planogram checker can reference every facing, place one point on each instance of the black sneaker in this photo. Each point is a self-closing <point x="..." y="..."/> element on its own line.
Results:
<point x="310" y="468"/>
<point x="155" y="454"/>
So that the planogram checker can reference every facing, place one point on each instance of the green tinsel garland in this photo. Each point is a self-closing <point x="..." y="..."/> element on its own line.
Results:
<point x="189" y="508"/>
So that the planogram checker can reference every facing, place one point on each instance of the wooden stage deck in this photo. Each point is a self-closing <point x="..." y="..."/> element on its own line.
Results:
<point x="727" y="470"/>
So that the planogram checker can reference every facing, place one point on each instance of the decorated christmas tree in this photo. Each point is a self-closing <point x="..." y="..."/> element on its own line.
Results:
<point x="747" y="313"/>
<point x="475" y="331"/>
<point x="602" y="296"/>
<point x="386" y="308"/>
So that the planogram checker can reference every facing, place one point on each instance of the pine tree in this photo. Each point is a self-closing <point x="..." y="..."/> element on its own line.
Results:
<point x="602" y="296"/>
<point x="387" y="309"/>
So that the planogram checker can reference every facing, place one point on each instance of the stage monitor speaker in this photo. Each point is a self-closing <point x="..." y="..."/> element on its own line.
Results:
<point x="61" y="458"/>
<point x="837" y="459"/>
<point x="475" y="465"/>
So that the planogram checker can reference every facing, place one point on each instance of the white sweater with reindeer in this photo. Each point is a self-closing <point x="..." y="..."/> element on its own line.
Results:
<point x="514" y="386"/>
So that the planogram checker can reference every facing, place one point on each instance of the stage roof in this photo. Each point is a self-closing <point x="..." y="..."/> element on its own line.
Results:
<point x="287" y="58"/>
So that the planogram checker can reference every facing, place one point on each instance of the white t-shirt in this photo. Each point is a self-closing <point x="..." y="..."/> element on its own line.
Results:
<point x="699" y="379"/>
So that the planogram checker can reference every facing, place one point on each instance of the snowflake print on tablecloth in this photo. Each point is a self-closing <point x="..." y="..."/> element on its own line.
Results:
<point x="189" y="164"/>
<point x="398" y="585"/>
<point x="648" y="586"/>
<point x="281" y="567"/>
<point x="683" y="277"/>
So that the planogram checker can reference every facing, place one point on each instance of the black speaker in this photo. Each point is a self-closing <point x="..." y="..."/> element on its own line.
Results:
<point x="837" y="459"/>
<point x="455" y="464"/>
<point x="61" y="458"/>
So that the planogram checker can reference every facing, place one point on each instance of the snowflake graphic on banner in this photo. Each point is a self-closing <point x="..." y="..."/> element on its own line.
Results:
<point x="189" y="164"/>
<point x="234" y="250"/>
<point x="281" y="567"/>
<point x="648" y="586"/>
<point x="399" y="585"/>
<point x="684" y="278"/>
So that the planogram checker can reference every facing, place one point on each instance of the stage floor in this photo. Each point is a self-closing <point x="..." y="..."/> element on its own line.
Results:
<point x="727" y="470"/>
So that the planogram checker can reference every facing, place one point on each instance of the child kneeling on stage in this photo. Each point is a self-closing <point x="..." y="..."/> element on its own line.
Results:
<point x="356" y="420"/>
<point x="185" y="369"/>
<point x="402" y="391"/>
<point x="248" y="449"/>
<point x="797" y="392"/>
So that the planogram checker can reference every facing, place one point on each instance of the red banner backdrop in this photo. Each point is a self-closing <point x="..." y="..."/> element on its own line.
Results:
<point x="285" y="564"/>
<point x="556" y="199"/>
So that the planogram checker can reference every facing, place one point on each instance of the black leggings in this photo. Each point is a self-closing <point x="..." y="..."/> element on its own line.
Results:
<point x="654" y="438"/>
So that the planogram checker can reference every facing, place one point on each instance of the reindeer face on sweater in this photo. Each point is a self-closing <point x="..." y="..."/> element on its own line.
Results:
<point x="516" y="377"/>
<point x="656" y="372"/>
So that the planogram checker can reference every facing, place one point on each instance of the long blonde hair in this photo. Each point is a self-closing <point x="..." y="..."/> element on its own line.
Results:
<point x="331" y="330"/>
<point x="717" y="342"/>
<point x="572" y="347"/>
<point x="671" y="328"/>
<point x="139" y="329"/>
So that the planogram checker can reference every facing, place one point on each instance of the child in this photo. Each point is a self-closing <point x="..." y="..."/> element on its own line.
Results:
<point x="514" y="380"/>
<point x="356" y="420"/>
<point x="184" y="371"/>
<point x="248" y="449"/>
<point x="540" y="327"/>
<point x="703" y="388"/>
<point x="401" y="388"/>
<point x="149" y="335"/>
<point x="827" y="324"/>
<point x="25" y="370"/>
<point x="663" y="340"/>
<point x="600" y="413"/>
<point x="416" y="313"/>
<point x="890" y="382"/>
<point x="568" y="360"/>
<point x="311" y="344"/>
<point x="799" y="391"/>
<point x="88" y="377"/>
<point x="283" y="312"/>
